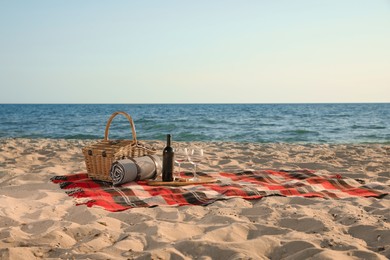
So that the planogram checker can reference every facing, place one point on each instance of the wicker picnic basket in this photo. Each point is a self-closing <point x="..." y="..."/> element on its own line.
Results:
<point x="100" y="156"/>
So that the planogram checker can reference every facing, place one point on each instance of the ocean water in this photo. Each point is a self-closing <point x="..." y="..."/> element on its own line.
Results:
<point x="263" y="123"/>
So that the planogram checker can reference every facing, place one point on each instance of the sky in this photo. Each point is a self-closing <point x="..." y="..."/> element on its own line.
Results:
<point x="174" y="51"/>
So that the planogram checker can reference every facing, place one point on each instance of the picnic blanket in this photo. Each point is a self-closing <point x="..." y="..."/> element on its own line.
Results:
<point x="247" y="185"/>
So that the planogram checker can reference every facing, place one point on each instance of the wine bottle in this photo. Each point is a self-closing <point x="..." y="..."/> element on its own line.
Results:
<point x="168" y="156"/>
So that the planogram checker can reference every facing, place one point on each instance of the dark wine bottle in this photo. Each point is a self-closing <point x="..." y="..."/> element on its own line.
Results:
<point x="168" y="156"/>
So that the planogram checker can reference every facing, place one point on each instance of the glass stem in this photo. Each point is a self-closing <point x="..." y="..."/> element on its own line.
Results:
<point x="195" y="176"/>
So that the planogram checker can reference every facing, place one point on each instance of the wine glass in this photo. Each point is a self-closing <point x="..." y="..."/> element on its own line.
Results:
<point x="181" y="155"/>
<point x="195" y="157"/>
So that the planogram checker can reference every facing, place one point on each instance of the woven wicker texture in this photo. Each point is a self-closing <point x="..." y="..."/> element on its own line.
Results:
<point x="100" y="156"/>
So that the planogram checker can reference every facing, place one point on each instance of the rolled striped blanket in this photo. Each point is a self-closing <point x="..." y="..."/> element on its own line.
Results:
<point x="134" y="169"/>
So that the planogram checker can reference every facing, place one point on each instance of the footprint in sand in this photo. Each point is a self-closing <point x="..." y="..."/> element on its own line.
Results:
<point x="305" y="224"/>
<point x="377" y="239"/>
<point x="263" y="230"/>
<point x="37" y="227"/>
<point x="6" y="222"/>
<point x="291" y="248"/>
<point x="235" y="232"/>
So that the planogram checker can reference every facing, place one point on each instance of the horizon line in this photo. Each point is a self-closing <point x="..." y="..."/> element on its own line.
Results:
<point x="195" y="103"/>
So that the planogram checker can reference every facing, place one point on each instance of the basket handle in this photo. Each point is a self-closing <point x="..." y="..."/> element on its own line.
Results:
<point x="131" y="124"/>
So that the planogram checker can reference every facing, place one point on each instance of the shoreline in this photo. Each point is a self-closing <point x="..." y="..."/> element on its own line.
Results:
<point x="38" y="219"/>
<point x="212" y="141"/>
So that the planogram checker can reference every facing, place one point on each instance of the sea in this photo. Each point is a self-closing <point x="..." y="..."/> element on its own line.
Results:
<point x="350" y="123"/>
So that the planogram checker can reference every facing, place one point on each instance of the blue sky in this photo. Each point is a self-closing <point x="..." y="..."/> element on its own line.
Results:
<point x="203" y="51"/>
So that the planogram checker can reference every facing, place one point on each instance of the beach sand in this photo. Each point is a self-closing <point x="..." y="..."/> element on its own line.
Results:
<point x="38" y="220"/>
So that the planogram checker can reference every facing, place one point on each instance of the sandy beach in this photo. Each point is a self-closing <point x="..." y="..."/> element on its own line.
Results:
<point x="38" y="220"/>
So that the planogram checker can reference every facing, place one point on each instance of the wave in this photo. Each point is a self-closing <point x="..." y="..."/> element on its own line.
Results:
<point x="368" y="127"/>
<point x="314" y="123"/>
<point x="81" y="136"/>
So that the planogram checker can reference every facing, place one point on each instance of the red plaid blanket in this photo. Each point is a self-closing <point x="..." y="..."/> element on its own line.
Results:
<point x="246" y="185"/>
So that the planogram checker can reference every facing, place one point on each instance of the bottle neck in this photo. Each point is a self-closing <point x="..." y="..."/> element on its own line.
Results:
<point x="168" y="140"/>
